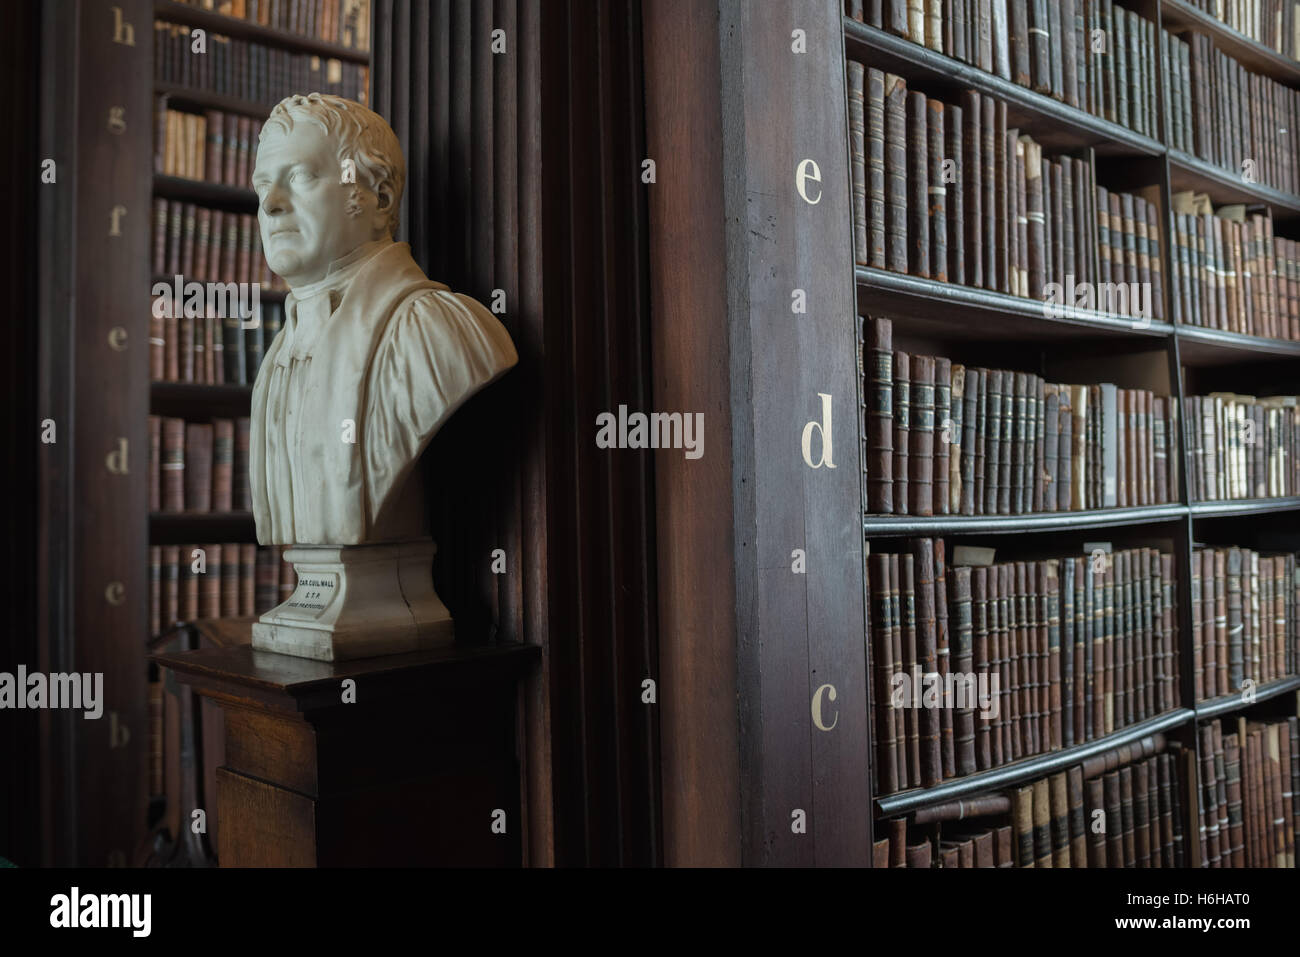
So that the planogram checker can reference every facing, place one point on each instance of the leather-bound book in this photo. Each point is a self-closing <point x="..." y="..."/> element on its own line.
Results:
<point x="241" y="499"/>
<point x="1067" y="51"/>
<point x="1216" y="647"/>
<point x="1005" y="845"/>
<point x="159" y="248"/>
<point x="202" y="242"/>
<point x="984" y="34"/>
<point x="1070" y="707"/>
<point x="1128" y="816"/>
<point x="907" y="593"/>
<point x="875" y="168"/>
<point x="1012" y="411"/>
<point x="1209" y="797"/>
<point x="880" y="853"/>
<point x="981" y="844"/>
<point x="223" y="458"/>
<point x="230" y="568"/>
<point x="918" y="183"/>
<point x="989" y="150"/>
<point x="155" y="463"/>
<point x="883" y="665"/>
<point x="942" y="434"/>
<point x="992" y="427"/>
<point x="1015" y="477"/>
<point x="880" y="417"/>
<point x="1022" y="816"/>
<point x="170" y="573"/>
<point x="902" y="429"/>
<point x="1235" y="622"/>
<point x="1077" y="826"/>
<point x="1018" y="15"/>
<point x="999" y="739"/>
<point x="1119" y="49"/>
<point x="982" y="756"/>
<point x="188" y="574"/>
<point x="1060" y="820"/>
<point x="971" y="466"/>
<point x="1098" y="824"/>
<point x="1051" y="448"/>
<point x="962" y="634"/>
<point x="1040" y="43"/>
<point x="898" y="842"/>
<point x="266" y="593"/>
<point x="173" y="465"/>
<point x="858" y="159"/>
<point x="896" y="172"/>
<point x="1037" y="443"/>
<point x="928" y="732"/>
<point x="1057" y="41"/>
<point x="852" y="9"/>
<point x="1141" y="816"/>
<point x="1043" y="845"/>
<point x="918" y="855"/>
<point x="1232" y="783"/>
<point x="1000" y="38"/>
<point x="175" y="234"/>
<point x="934" y="25"/>
<point x="938" y="201"/>
<point x="1293" y="737"/>
<point x="956" y="434"/>
<point x="943" y="656"/>
<point x="972" y="186"/>
<point x="247" y="579"/>
<point x="209" y="581"/>
<point x="1036" y="229"/>
<point x="1015" y="743"/>
<point x="155" y="590"/>
<point x="954" y="197"/>
<point x="1049" y="590"/>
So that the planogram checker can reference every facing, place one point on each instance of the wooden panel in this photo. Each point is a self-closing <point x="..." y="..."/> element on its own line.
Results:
<point x="265" y="825"/>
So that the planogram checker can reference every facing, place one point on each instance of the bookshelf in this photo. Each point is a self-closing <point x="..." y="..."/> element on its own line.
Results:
<point x="192" y="732"/>
<point x="938" y="318"/>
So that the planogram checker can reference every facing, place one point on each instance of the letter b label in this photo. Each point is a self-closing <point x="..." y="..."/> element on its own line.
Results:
<point x="822" y="431"/>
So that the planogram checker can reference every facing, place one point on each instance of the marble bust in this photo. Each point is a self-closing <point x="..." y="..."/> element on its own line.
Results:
<point x="372" y="359"/>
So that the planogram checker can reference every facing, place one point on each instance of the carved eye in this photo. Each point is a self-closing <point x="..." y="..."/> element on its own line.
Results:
<point x="302" y="177"/>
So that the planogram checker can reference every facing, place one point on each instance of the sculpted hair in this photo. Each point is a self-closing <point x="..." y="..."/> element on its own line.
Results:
<point x="363" y="137"/>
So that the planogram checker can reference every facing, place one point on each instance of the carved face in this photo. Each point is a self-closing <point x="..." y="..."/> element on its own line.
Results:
<point x="303" y="207"/>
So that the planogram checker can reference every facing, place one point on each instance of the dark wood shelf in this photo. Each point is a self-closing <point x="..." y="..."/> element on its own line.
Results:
<point x="1247" y="506"/>
<point x="967" y="312"/>
<point x="1224" y="186"/>
<point x="1198" y="346"/>
<point x="893" y="526"/>
<point x="1205" y="710"/>
<point x="184" y="96"/>
<point x="179" y="528"/>
<point x="1254" y="56"/>
<point x="1052" y="123"/>
<point x="905" y="802"/>
<point x="198" y="191"/>
<point x="189" y="16"/>
<point x="191" y="400"/>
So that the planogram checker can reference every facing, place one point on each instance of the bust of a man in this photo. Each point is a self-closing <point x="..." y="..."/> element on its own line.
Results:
<point x="373" y="356"/>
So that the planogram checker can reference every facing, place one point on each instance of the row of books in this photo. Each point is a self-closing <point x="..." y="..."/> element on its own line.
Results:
<point x="212" y="146"/>
<point x="1090" y="54"/>
<point x="250" y="71"/>
<point x="1245" y="619"/>
<point x="942" y="439"/>
<point x="1230" y="272"/>
<point x="1022" y="658"/>
<point x="1242" y="446"/>
<point x="1228" y="116"/>
<point x="345" y="22"/>
<point x="949" y="193"/>
<point x="1271" y="23"/>
<point x="209" y="245"/>
<point x="1249" y="793"/>
<point x="198" y="466"/>
<point x="1123" y="808"/>
<point x="231" y="580"/>
<point x="211" y="350"/>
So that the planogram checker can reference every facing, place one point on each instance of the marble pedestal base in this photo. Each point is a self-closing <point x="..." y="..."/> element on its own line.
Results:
<point x="357" y="601"/>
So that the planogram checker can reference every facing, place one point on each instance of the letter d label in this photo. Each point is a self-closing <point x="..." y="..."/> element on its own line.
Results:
<point x="824" y="429"/>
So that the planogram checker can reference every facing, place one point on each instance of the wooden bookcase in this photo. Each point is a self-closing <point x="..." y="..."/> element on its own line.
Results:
<point x="726" y="88"/>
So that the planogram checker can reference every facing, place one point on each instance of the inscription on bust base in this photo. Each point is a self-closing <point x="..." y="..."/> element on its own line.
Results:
<point x="355" y="601"/>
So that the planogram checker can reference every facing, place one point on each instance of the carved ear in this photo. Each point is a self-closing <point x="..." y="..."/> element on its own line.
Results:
<point x="384" y="199"/>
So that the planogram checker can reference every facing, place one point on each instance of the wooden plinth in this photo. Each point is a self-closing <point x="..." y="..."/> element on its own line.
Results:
<point x="413" y="773"/>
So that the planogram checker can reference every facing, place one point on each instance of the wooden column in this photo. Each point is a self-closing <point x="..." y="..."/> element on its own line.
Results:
<point x="406" y="760"/>
<point x="760" y="542"/>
